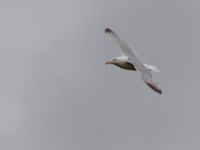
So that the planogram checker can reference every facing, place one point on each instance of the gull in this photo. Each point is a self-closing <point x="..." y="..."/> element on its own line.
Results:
<point x="130" y="61"/>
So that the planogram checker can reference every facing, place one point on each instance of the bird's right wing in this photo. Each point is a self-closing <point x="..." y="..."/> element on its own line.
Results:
<point x="151" y="83"/>
<point x="126" y="49"/>
<point x="146" y="75"/>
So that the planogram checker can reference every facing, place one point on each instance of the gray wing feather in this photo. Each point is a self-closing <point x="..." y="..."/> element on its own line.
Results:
<point x="145" y="74"/>
<point x="126" y="49"/>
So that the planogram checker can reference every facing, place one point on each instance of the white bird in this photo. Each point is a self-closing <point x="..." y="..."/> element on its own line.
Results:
<point x="130" y="61"/>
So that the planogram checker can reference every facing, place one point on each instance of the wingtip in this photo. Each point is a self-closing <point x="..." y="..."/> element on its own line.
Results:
<point x="108" y="30"/>
<point x="155" y="88"/>
<point x="160" y="92"/>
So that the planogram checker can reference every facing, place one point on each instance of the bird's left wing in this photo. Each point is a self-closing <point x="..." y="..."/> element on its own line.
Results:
<point x="126" y="49"/>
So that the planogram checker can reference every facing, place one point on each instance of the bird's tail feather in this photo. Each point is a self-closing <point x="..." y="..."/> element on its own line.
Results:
<point x="151" y="68"/>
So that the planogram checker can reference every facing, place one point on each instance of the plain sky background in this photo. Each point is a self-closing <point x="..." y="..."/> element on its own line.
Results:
<point x="57" y="94"/>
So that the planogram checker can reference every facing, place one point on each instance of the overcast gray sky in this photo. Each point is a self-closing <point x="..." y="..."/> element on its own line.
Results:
<point x="56" y="92"/>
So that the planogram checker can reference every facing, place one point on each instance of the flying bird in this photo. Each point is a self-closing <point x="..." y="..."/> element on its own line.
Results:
<point x="130" y="61"/>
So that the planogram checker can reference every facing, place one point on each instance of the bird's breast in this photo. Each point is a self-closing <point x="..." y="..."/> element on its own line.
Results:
<point x="126" y="65"/>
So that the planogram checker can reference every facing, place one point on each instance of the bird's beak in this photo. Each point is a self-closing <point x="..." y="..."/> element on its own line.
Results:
<point x="108" y="62"/>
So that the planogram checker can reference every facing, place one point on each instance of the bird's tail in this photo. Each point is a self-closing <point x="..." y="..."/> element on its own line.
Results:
<point x="151" y="68"/>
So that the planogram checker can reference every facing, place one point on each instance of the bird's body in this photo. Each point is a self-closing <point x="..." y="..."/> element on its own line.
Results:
<point x="123" y="63"/>
<point x="130" y="61"/>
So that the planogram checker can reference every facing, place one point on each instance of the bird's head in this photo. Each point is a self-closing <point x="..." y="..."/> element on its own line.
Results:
<point x="113" y="61"/>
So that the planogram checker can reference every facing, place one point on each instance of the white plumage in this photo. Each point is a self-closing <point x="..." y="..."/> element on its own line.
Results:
<point x="130" y="61"/>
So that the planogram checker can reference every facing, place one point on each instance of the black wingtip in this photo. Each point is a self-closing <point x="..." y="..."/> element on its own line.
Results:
<point x="160" y="92"/>
<point x="156" y="89"/>
<point x="108" y="30"/>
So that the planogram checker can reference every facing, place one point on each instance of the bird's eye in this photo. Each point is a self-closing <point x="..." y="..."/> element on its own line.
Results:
<point x="114" y="59"/>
